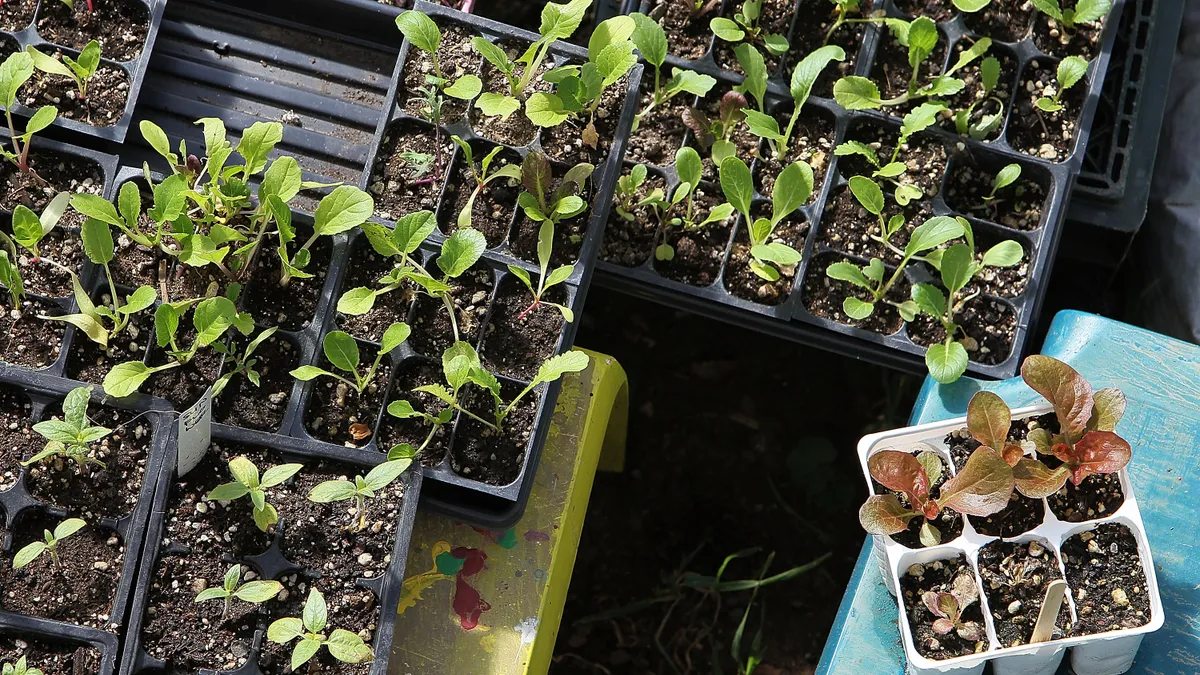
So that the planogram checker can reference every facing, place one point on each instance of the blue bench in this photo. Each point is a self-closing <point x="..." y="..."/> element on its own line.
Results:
<point x="1161" y="378"/>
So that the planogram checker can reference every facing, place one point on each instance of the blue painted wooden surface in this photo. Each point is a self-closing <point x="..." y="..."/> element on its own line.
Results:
<point x="1161" y="378"/>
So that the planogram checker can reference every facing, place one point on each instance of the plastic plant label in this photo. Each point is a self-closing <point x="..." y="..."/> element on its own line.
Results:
<point x="195" y="434"/>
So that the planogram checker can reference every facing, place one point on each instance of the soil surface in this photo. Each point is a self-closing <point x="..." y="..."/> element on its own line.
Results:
<point x="408" y="157"/>
<point x="481" y="453"/>
<point x="688" y="36"/>
<point x="742" y="281"/>
<point x="938" y="10"/>
<point x="517" y="341"/>
<point x="120" y="26"/>
<point x="700" y="252"/>
<point x="660" y="132"/>
<point x="924" y="158"/>
<point x="368" y="268"/>
<point x="1008" y="21"/>
<point x="242" y="404"/>
<point x="26" y="340"/>
<point x="938" y="576"/>
<point x="1097" y="496"/>
<point x="184" y="385"/>
<point x="60" y="172"/>
<point x="17" y="438"/>
<point x="846" y="226"/>
<point x="41" y="275"/>
<point x="431" y="329"/>
<point x="1039" y="133"/>
<point x="89" y="362"/>
<point x="1015" y="577"/>
<point x="17" y="14"/>
<point x="337" y="413"/>
<point x="494" y="206"/>
<point x="515" y="130"/>
<point x="568" y="238"/>
<point x="456" y="58"/>
<point x="1018" y="206"/>
<point x="1052" y="38"/>
<point x="410" y="374"/>
<point x="990" y="327"/>
<point x="52" y="658"/>
<point x="290" y="307"/>
<point x="892" y="73"/>
<point x="107" y="93"/>
<point x="948" y="522"/>
<point x="565" y="142"/>
<point x="816" y="18"/>
<point x="1105" y="572"/>
<point x="811" y="143"/>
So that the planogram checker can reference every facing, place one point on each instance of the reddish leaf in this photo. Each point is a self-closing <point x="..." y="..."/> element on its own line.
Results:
<point x="964" y="590"/>
<point x="982" y="487"/>
<point x="1036" y="480"/>
<point x="731" y="107"/>
<point x="1013" y="454"/>
<point x="943" y="626"/>
<point x="971" y="630"/>
<point x="901" y="472"/>
<point x="698" y="122"/>
<point x="1065" y="388"/>
<point x="883" y="514"/>
<point x="1096" y="452"/>
<point x="941" y="604"/>
<point x="988" y="419"/>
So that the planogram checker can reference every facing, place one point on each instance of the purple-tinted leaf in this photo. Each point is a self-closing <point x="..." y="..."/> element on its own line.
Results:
<point x="982" y="487"/>
<point x="940" y="604"/>
<point x="965" y="591"/>
<point x="988" y="419"/>
<point x="883" y="514"/>
<point x="901" y="472"/>
<point x="943" y="626"/>
<point x="731" y="107"/>
<point x="970" y="630"/>
<point x="1096" y="452"/>
<point x="1036" y="480"/>
<point x="698" y="122"/>
<point x="535" y="174"/>
<point x="1065" y="388"/>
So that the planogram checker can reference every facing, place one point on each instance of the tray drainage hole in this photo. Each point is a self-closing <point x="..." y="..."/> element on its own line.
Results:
<point x="221" y="48"/>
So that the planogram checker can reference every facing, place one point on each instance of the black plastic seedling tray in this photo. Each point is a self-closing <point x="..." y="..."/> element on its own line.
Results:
<point x="28" y="629"/>
<point x="271" y="563"/>
<point x="791" y="318"/>
<point x="134" y="69"/>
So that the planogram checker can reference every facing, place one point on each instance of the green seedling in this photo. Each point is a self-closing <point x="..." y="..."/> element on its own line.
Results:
<point x="793" y="187"/>
<point x="894" y="171"/>
<point x="546" y="278"/>
<point x="920" y="36"/>
<point x="31" y="551"/>
<point x="481" y="175"/>
<point x="559" y="22"/>
<point x="72" y="436"/>
<point x="543" y="204"/>
<point x="958" y="266"/>
<point x="14" y="73"/>
<point x="754" y="85"/>
<point x="803" y="78"/>
<point x="170" y="204"/>
<point x="713" y="135"/>
<point x="240" y="362"/>
<point x="80" y="71"/>
<point x="19" y="668"/>
<point x="625" y="197"/>
<point x="1070" y="71"/>
<point x="745" y="26"/>
<point x="979" y="128"/>
<point x="360" y="489"/>
<point x="680" y="210"/>
<point x="246" y="482"/>
<point x="255" y="592"/>
<point x="845" y="12"/>
<point x="925" y="237"/>
<point x="460" y="251"/>
<point x="28" y="230"/>
<point x="343" y="209"/>
<point x="404" y="410"/>
<point x="10" y="278"/>
<point x="211" y="318"/>
<point x="1007" y="176"/>
<point x="310" y="629"/>
<point x="651" y="42"/>
<point x="422" y="33"/>
<point x="1085" y="11"/>
<point x="342" y="352"/>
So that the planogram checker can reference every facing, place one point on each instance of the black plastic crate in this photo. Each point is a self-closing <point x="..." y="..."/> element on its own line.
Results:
<point x="791" y="318"/>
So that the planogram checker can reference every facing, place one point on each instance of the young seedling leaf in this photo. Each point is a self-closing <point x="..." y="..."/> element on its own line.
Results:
<point x="856" y="93"/>
<point x="946" y="362"/>
<point x="868" y="194"/>
<point x="420" y="30"/>
<point x="988" y="419"/>
<point x="982" y="487"/>
<point x="1064" y="388"/>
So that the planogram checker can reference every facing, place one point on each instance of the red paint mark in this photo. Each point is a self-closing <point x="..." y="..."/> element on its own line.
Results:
<point x="468" y="604"/>
<point x="473" y="560"/>
<point x="534" y="535"/>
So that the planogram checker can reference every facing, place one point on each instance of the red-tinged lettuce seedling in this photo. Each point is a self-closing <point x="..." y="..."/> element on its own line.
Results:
<point x="988" y="421"/>
<point x="745" y="26"/>
<point x="949" y="608"/>
<point x="1086" y="443"/>
<point x="651" y="42"/>
<point x="982" y="488"/>
<point x="793" y="187"/>
<point x="713" y="135"/>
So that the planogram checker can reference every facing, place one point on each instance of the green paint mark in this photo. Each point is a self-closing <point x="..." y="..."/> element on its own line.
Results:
<point x="509" y="539"/>
<point x="447" y="564"/>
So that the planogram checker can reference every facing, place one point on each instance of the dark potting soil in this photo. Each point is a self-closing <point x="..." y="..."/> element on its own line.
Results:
<point x="1097" y="496"/>
<point x="1036" y="132"/>
<point x="515" y="345"/>
<point x="744" y="283"/>
<point x="185" y="281"/>
<point x="413" y="373"/>
<point x="948" y="523"/>
<point x="1105" y="572"/>
<point x="91" y="491"/>
<point x="80" y="589"/>
<point x="354" y="610"/>
<point x="1052" y="38"/>
<point x="823" y="297"/>
<point x="337" y="413"/>
<point x="660" y="132"/>
<point x="892" y="73"/>
<point x="923" y="157"/>
<point x="368" y="268"/>
<point x="431" y="329"/>
<point x="242" y="404"/>
<point x="1022" y="513"/>
<point x="290" y="307"/>
<point x="40" y="275"/>
<point x="26" y="340"/>
<point x="17" y="14"/>
<point x="515" y="130"/>
<point x="989" y="326"/>
<point x="776" y="18"/>
<point x="1018" y="206"/>
<point x="630" y="243"/>
<point x="61" y="173"/>
<point x="409" y="156"/>
<point x="50" y="657"/>
<point x="566" y="142"/>
<point x="811" y="143"/>
<point x="974" y="92"/>
<point x="938" y="10"/>
<point x="688" y="36"/>
<point x="17" y="438"/>
<point x="184" y="385"/>
<point x="89" y="362"/>
<point x="938" y="576"/>
<point x="482" y="454"/>
<point x="120" y="26"/>
<point x="1015" y="577"/>
<point x="214" y="530"/>
<point x="1006" y="21"/>
<point x="494" y="206"/>
<point x="134" y="265"/>
<point x="698" y="252"/>
<point x="815" y="18"/>
<point x="1006" y="282"/>
<point x="107" y="93"/>
<point x="848" y="227"/>
<point x="191" y="635"/>
<point x="456" y="58"/>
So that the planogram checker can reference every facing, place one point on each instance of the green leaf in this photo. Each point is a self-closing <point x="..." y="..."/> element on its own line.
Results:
<point x="258" y="591"/>
<point x="1070" y="71"/>
<point x="989" y="70"/>
<point x="650" y="39"/>
<point x="1007" y="176"/>
<point x="14" y="73"/>
<point x="315" y="613"/>
<point x="494" y="105"/>
<point x="922" y="117"/>
<point x="283" y="179"/>
<point x="737" y="184"/>
<point x="1048" y="105"/>
<point x="906" y="193"/>
<point x="776" y="252"/>
<point x="809" y="69"/>
<point x="891" y="170"/>
<point x="279" y="473"/>
<point x="420" y="30"/>
<point x="856" y="93"/>
<point x="932" y="234"/>
<point x="1005" y="254"/>
<point x="68" y="527"/>
<point x="559" y="21"/>
<point x="97" y="241"/>
<point x="844" y="271"/>
<point x="49" y="64"/>
<point x="958" y="267"/>
<point x="348" y="647"/>
<point x="545" y="110"/>
<point x="557" y="366"/>
<point x="166" y="323"/>
<point x="726" y="29"/>
<point x="341" y="350"/>
<point x="211" y="594"/>
<point x="857" y="309"/>
<point x="1087" y="11"/>
<point x="244" y="471"/>
<point x="968" y="55"/>
<point x="922" y="38"/>
<point x="762" y="125"/>
<point x="356" y="301"/>
<point x="793" y="187"/>
<point x="28" y="554"/>
<point x="775" y="43"/>
<point x="345" y="208"/>
<point x="305" y="649"/>
<point x="75" y="406"/>
<point x="755" y="68"/>
<point x="332" y="491"/>
<point x="57" y="430"/>
<point x="213" y="316"/>
<point x="394" y="336"/>
<point x="465" y="88"/>
<point x="946" y="362"/>
<point x="908" y="310"/>
<point x="89" y="60"/>
<point x="460" y="251"/>
<point x="95" y="206"/>
<point x="848" y="148"/>
<point x="383" y="474"/>
<point x="929" y="299"/>
<point x="688" y="166"/>
<point x="614" y="61"/>
<point x="691" y="82"/>
<point x="306" y="373"/>
<point x="868" y="194"/>
<point x="257" y="142"/>
<point x="125" y="378"/>
<point x="971" y="5"/>
<point x="283" y="631"/>
<point x="559" y="275"/>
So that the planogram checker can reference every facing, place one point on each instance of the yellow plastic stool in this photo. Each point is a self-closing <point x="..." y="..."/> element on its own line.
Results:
<point x="490" y="603"/>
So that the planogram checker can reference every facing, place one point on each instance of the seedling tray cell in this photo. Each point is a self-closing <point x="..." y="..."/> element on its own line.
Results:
<point x="40" y="633"/>
<point x="793" y="317"/>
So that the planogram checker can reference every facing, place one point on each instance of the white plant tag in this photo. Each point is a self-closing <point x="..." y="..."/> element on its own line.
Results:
<point x="195" y="434"/>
